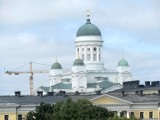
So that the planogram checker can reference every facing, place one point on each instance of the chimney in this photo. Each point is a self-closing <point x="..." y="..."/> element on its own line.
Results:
<point x="60" y="93"/>
<point x="17" y="93"/>
<point x="159" y="92"/>
<point x="147" y="83"/>
<point x="50" y="93"/>
<point x="98" y="92"/>
<point x="122" y="93"/>
<point x="141" y="92"/>
<point x="39" y="93"/>
<point x="136" y="92"/>
<point x="76" y="93"/>
<point x="63" y="93"/>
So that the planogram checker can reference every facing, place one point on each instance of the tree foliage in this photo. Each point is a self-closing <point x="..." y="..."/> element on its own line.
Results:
<point x="69" y="110"/>
<point x="82" y="109"/>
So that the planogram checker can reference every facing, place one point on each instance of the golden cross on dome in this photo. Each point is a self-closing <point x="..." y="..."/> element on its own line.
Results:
<point x="88" y="13"/>
<point x="56" y="59"/>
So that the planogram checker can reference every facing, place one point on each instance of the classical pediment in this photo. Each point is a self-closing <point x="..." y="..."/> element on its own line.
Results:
<point x="108" y="99"/>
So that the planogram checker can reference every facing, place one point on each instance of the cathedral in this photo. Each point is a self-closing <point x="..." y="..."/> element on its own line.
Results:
<point x="88" y="74"/>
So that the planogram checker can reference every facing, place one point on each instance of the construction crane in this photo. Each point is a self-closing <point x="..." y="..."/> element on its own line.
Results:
<point x="31" y="72"/>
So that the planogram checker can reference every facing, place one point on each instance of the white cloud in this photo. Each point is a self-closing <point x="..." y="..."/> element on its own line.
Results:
<point x="18" y="11"/>
<point x="39" y="31"/>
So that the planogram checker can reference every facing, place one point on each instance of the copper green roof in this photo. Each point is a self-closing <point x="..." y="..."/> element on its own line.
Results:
<point x="56" y="65"/>
<point x="78" y="62"/>
<point x="88" y="29"/>
<point x="104" y="85"/>
<point x="123" y="62"/>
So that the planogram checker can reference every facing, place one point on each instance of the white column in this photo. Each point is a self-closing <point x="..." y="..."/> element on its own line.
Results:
<point x="85" y="53"/>
<point x="101" y="55"/>
<point x="97" y="52"/>
<point x="118" y="113"/>
<point x="158" y="114"/>
<point x="91" y="49"/>
<point x="128" y="114"/>
<point x="76" y="53"/>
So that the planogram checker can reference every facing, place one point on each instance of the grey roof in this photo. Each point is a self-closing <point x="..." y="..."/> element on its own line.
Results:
<point x="137" y="98"/>
<point x="29" y="99"/>
<point x="136" y="89"/>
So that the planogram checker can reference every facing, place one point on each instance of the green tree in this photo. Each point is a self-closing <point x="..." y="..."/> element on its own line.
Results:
<point x="82" y="109"/>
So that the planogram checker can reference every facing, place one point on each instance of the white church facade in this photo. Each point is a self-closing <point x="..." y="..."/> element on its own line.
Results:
<point x="88" y="74"/>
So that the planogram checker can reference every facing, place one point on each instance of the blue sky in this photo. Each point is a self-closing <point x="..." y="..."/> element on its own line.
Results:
<point x="41" y="30"/>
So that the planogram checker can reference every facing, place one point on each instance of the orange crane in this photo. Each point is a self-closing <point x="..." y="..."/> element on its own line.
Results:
<point x="31" y="72"/>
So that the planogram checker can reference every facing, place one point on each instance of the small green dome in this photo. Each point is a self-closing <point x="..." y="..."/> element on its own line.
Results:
<point x="88" y="29"/>
<point x="123" y="62"/>
<point x="56" y="65"/>
<point x="78" y="62"/>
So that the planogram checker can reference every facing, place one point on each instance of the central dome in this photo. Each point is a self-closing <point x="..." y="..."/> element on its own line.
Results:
<point x="88" y="29"/>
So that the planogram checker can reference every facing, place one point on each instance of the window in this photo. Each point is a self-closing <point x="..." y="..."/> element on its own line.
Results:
<point x="122" y="114"/>
<point x="6" y="117"/>
<point x="82" y="49"/>
<point x="77" y="49"/>
<point x="88" y="49"/>
<point x="19" y="117"/>
<point x="82" y="56"/>
<point x="132" y="114"/>
<point x="88" y="57"/>
<point x="150" y="114"/>
<point x="81" y="86"/>
<point x="66" y="80"/>
<point x="101" y="78"/>
<point x="141" y="114"/>
<point x="99" y="57"/>
<point x="94" y="57"/>
<point x="94" y="49"/>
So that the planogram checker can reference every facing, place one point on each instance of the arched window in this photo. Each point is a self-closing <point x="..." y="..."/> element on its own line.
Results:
<point x="94" y="49"/>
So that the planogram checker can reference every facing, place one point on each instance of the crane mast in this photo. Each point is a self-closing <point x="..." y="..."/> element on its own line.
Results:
<point x="31" y="79"/>
<point x="31" y="72"/>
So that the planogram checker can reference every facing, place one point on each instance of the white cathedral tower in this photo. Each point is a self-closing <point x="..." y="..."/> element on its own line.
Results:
<point x="89" y="45"/>
<point x="88" y="74"/>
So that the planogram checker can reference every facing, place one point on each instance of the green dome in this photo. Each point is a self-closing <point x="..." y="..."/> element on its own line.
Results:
<point x="56" y="65"/>
<point x="88" y="29"/>
<point x="78" y="62"/>
<point x="123" y="62"/>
